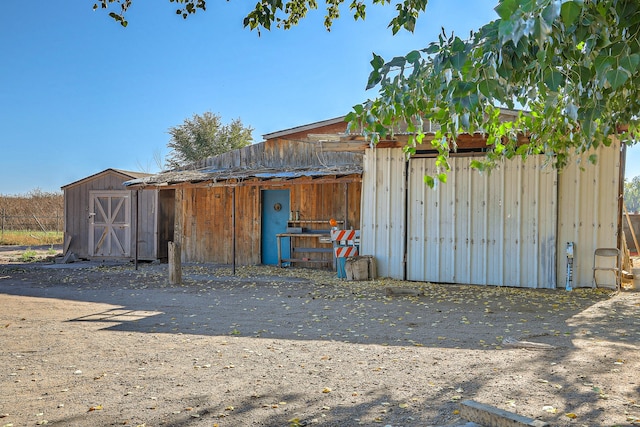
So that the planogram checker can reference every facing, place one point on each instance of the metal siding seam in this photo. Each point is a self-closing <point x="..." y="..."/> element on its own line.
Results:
<point x="418" y="246"/>
<point x="516" y="279"/>
<point x="384" y="236"/>
<point x="596" y="226"/>
<point x="468" y="268"/>
<point x="536" y="240"/>
<point x="469" y="236"/>
<point x="401" y="234"/>
<point x="502" y="233"/>
<point x="451" y="208"/>
<point x="438" y="237"/>
<point x="387" y="211"/>
<point x="552" y="231"/>
<point x="485" y="246"/>
<point x="365" y="213"/>
<point x="415" y="216"/>
<point x="422" y="224"/>
<point x="574" y="208"/>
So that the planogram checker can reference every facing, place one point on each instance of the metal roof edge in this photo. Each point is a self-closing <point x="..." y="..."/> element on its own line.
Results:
<point x="127" y="174"/>
<point x="241" y="173"/>
<point x="303" y="128"/>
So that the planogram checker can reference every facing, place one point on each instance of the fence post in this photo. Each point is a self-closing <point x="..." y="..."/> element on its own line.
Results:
<point x="39" y="223"/>
<point x="175" y="266"/>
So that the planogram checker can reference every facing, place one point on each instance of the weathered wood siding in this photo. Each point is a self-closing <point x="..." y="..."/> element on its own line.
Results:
<point x="204" y="217"/>
<point x="147" y="218"/>
<point x="204" y="222"/>
<point x="278" y="154"/>
<point x="76" y="213"/>
<point x="321" y="202"/>
<point x="166" y="222"/>
<point x="76" y="208"/>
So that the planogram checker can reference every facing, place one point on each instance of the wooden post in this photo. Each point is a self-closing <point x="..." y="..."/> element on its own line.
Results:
<point x="633" y="233"/>
<point x="175" y="266"/>
<point x="233" y="228"/>
<point x="279" y="244"/>
<point x="136" y="223"/>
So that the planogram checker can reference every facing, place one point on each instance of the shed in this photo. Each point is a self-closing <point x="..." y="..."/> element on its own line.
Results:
<point x="105" y="220"/>
<point x="509" y="227"/>
<point x="231" y="208"/>
<point x="506" y="228"/>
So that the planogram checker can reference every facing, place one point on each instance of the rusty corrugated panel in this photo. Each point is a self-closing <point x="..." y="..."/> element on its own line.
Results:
<point x="485" y="229"/>
<point x="383" y="210"/>
<point x="588" y="212"/>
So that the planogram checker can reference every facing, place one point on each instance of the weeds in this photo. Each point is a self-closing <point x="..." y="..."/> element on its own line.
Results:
<point x="29" y="256"/>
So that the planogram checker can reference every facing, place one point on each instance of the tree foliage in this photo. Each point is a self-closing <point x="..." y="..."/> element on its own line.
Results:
<point x="632" y="194"/>
<point x="573" y="65"/>
<point x="203" y="136"/>
<point x="268" y="13"/>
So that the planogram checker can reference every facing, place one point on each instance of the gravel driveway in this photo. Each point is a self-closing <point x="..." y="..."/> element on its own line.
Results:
<point x="91" y="344"/>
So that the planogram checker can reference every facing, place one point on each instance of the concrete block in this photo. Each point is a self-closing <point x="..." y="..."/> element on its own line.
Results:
<point x="490" y="416"/>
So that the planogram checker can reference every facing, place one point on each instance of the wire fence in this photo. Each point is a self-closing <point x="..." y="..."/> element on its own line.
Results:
<point x="32" y="222"/>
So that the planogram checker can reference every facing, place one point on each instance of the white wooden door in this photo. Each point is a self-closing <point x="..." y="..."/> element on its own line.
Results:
<point x="110" y="223"/>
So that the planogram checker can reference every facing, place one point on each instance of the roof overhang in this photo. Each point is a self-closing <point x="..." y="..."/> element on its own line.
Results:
<point x="245" y="177"/>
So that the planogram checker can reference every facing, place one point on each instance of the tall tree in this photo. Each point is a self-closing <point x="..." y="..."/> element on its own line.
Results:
<point x="203" y="136"/>
<point x="632" y="194"/>
<point x="574" y="64"/>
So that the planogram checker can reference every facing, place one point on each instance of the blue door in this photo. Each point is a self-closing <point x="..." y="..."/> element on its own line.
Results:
<point x="275" y="214"/>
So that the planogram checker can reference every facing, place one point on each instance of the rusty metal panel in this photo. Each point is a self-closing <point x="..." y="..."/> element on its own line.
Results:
<point x="588" y="212"/>
<point x="485" y="229"/>
<point x="383" y="210"/>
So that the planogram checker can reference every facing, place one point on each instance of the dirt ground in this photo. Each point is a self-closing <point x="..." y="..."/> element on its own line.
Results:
<point x="89" y="344"/>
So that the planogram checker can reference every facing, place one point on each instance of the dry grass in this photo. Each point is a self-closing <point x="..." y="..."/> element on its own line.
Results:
<point x="30" y="238"/>
<point x="36" y="210"/>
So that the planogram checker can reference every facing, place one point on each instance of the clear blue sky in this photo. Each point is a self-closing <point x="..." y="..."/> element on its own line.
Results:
<point x="81" y="94"/>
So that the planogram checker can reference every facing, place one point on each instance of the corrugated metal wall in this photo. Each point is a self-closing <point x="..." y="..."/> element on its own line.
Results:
<point x="383" y="209"/>
<point x="485" y="229"/>
<point x="508" y="228"/>
<point x="588" y="212"/>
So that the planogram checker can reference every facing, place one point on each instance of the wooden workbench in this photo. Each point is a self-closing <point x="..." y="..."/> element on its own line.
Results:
<point x="302" y="249"/>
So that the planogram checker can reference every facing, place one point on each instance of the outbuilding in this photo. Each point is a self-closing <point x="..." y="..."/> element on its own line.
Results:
<point x="524" y="224"/>
<point x="104" y="220"/>
<point x="239" y="207"/>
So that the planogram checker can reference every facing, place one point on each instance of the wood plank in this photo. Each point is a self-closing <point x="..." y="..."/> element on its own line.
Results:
<point x="633" y="233"/>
